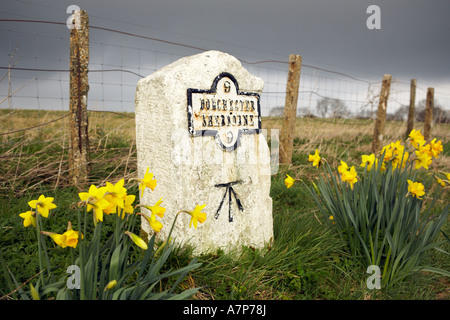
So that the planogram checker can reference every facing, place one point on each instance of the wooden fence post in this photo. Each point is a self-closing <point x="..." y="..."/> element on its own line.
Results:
<point x="79" y="87"/>
<point x="428" y="114"/>
<point x="412" y="106"/>
<point x="381" y="113"/>
<point x="290" y="109"/>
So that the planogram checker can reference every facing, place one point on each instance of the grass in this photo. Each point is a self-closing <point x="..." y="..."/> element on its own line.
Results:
<point x="306" y="260"/>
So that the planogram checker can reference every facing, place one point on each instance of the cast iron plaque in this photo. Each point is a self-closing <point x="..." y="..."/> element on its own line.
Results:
<point x="223" y="112"/>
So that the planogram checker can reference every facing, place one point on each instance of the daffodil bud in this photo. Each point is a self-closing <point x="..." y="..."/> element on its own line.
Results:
<point x="137" y="240"/>
<point x="111" y="285"/>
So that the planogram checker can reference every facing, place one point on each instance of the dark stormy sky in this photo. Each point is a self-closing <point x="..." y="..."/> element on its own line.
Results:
<point x="413" y="41"/>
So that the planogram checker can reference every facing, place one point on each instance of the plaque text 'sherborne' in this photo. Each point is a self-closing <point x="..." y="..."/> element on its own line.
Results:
<point x="223" y="111"/>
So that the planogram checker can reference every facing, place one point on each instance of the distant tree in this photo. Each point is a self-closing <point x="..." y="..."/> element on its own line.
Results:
<point x="276" y="112"/>
<point x="440" y="115"/>
<point x="364" y="114"/>
<point x="401" y="114"/>
<point x="335" y="107"/>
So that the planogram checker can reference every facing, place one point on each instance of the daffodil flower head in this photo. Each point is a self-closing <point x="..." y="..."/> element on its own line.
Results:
<point x="423" y="158"/>
<point x="343" y="167"/>
<point x="67" y="239"/>
<point x="388" y="152"/>
<point x="368" y="160"/>
<point x="127" y="204"/>
<point x="147" y="182"/>
<point x="154" y="224"/>
<point x="436" y="148"/>
<point x="350" y="176"/>
<point x="416" y="138"/>
<point x="416" y="189"/>
<point x="157" y="209"/>
<point x="42" y="205"/>
<point x="315" y="159"/>
<point x="289" y="181"/>
<point x="115" y="193"/>
<point x="29" y="218"/>
<point x="197" y="215"/>
<point x="400" y="160"/>
<point x="94" y="200"/>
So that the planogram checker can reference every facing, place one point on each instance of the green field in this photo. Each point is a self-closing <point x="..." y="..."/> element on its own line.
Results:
<point x="307" y="259"/>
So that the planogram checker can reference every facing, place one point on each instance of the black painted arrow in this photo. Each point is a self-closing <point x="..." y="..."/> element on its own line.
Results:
<point x="229" y="189"/>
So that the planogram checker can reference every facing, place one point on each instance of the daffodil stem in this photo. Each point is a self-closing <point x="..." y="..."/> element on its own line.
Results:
<point x="81" y="253"/>
<point x="38" y="229"/>
<point x="117" y="233"/>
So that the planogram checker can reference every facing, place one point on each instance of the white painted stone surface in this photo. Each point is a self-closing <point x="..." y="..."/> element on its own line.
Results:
<point x="188" y="167"/>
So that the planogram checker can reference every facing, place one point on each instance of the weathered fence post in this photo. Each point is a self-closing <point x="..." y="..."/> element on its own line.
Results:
<point x="381" y="113"/>
<point x="79" y="87"/>
<point x="290" y="109"/>
<point x="412" y="106"/>
<point x="428" y="114"/>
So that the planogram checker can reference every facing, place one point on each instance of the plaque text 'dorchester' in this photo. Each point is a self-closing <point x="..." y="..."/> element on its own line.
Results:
<point x="223" y="112"/>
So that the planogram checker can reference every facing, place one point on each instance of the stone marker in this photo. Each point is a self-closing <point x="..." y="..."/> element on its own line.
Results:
<point x="198" y="130"/>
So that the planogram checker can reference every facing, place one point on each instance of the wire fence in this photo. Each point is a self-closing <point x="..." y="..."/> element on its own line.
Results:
<point x="35" y="69"/>
<point x="34" y="75"/>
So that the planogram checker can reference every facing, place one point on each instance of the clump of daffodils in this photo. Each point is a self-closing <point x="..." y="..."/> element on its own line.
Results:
<point x="377" y="206"/>
<point x="103" y="264"/>
<point x="394" y="154"/>
<point x="107" y="200"/>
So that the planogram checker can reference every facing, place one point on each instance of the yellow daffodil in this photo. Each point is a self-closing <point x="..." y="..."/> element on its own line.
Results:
<point x="425" y="148"/>
<point x="67" y="239"/>
<point x="42" y="205"/>
<point x="156" y="209"/>
<point x="388" y="152"/>
<point x="127" y="206"/>
<point x="94" y="200"/>
<point x="397" y="147"/>
<point x="367" y="160"/>
<point x="315" y="159"/>
<point x="147" y="182"/>
<point x="115" y="194"/>
<point x="400" y="160"/>
<point x="436" y="148"/>
<point x="289" y="181"/>
<point x="197" y="215"/>
<point x="343" y="167"/>
<point x="137" y="240"/>
<point x="127" y="203"/>
<point x="423" y="159"/>
<point x="416" y="189"/>
<point x="28" y="218"/>
<point x="350" y="176"/>
<point x="448" y="176"/>
<point x="154" y="224"/>
<point x="416" y="138"/>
